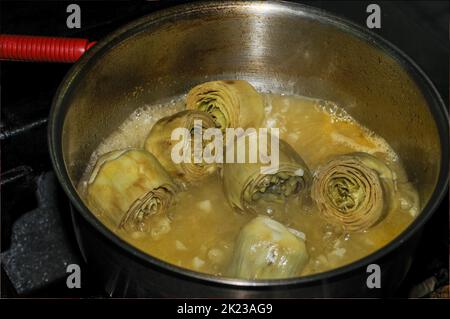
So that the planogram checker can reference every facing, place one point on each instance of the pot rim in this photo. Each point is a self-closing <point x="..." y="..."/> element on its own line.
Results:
<point x="435" y="104"/>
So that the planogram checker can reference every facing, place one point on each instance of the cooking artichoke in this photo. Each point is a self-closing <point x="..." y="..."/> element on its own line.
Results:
<point x="160" y="144"/>
<point x="129" y="187"/>
<point x="249" y="186"/>
<point x="233" y="103"/>
<point x="354" y="190"/>
<point x="265" y="249"/>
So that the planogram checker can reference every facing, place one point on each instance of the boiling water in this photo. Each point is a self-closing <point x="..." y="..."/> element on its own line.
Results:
<point x="204" y="227"/>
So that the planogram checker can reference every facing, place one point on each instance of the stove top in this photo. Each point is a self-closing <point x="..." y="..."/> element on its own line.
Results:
<point x="37" y="241"/>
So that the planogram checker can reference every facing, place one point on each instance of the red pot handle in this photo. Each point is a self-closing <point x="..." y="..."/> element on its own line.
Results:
<point x="42" y="49"/>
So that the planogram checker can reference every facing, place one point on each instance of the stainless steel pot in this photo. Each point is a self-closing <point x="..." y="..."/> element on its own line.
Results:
<point x="276" y="46"/>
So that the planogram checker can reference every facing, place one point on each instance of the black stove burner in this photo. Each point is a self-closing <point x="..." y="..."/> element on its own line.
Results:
<point x="37" y="240"/>
<point x="40" y="248"/>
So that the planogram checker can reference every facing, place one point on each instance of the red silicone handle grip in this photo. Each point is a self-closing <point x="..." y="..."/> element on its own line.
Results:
<point x="42" y="49"/>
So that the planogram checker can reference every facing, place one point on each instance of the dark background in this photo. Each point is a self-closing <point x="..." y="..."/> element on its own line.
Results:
<point x="419" y="28"/>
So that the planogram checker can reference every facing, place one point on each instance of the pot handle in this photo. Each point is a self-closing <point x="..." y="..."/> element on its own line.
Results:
<point x="42" y="49"/>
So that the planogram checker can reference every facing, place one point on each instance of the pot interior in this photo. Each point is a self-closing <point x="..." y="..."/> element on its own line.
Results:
<point x="279" y="48"/>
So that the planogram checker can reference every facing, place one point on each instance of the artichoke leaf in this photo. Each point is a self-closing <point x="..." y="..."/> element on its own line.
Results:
<point x="266" y="249"/>
<point x="354" y="191"/>
<point x="251" y="187"/>
<point x="129" y="187"/>
<point x="160" y="144"/>
<point x="232" y="104"/>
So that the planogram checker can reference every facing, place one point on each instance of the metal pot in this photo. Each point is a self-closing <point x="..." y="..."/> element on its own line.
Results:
<point x="276" y="46"/>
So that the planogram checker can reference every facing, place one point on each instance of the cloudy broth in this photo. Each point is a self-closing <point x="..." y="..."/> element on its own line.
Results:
<point x="204" y="227"/>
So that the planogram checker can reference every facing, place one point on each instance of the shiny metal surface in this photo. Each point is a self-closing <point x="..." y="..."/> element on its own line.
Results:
<point x="279" y="47"/>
